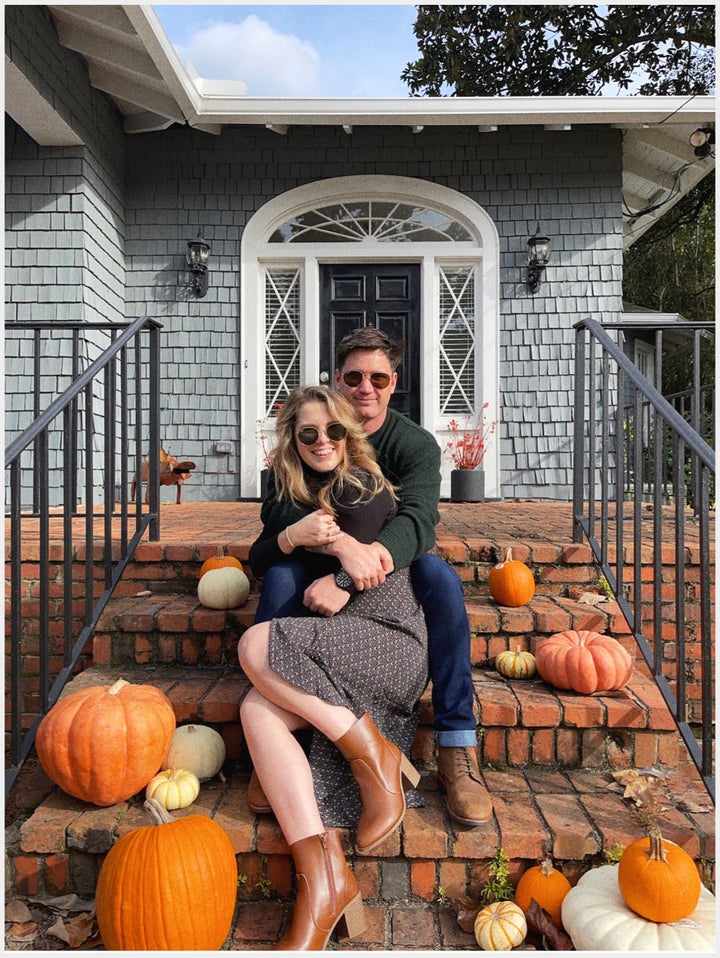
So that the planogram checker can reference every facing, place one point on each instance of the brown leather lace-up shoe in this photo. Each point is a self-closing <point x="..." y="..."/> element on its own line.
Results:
<point x="466" y="797"/>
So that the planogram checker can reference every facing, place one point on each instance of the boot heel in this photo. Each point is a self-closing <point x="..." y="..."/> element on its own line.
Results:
<point x="410" y="775"/>
<point x="351" y="924"/>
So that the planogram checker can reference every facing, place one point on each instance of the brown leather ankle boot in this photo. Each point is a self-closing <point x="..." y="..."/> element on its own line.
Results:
<point x="327" y="895"/>
<point x="381" y="770"/>
<point x="466" y="797"/>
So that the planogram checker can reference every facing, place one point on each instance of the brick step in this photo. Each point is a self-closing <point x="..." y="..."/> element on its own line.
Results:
<point x="577" y="815"/>
<point x="173" y="628"/>
<point x="546" y="756"/>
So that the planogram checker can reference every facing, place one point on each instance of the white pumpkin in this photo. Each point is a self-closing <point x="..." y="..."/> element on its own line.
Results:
<point x="173" y="788"/>
<point x="596" y="917"/>
<point x="224" y="588"/>
<point x="198" y="748"/>
<point x="500" y="926"/>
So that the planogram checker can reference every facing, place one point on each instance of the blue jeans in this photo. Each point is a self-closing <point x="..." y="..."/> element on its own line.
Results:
<point x="440" y="593"/>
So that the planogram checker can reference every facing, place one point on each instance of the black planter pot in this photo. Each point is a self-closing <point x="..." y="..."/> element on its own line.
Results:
<point x="467" y="485"/>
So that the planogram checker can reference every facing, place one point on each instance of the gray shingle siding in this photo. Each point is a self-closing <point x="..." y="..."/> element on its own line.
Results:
<point x="100" y="232"/>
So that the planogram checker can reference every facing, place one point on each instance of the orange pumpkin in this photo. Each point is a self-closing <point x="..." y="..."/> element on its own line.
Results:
<point x="510" y="582"/>
<point x="104" y="743"/>
<point x="584" y="661"/>
<point x="658" y="879"/>
<point x="219" y="561"/>
<point x="168" y="886"/>
<point x="547" y="886"/>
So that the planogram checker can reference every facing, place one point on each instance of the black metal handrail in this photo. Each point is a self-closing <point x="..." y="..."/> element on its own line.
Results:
<point x="126" y="375"/>
<point x="603" y="375"/>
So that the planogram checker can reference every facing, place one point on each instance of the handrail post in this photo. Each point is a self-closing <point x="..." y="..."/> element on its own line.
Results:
<point x="579" y="434"/>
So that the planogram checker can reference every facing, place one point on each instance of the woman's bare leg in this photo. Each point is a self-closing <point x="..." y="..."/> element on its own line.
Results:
<point x="281" y="766"/>
<point x="332" y="720"/>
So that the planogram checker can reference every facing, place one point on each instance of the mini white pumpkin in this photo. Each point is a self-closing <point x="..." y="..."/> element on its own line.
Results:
<point x="596" y="917"/>
<point x="198" y="748"/>
<point x="500" y="926"/>
<point x="515" y="664"/>
<point x="224" y="588"/>
<point x="173" y="788"/>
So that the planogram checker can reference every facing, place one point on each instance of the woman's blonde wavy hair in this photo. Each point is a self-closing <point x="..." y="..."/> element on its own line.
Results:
<point x="357" y="453"/>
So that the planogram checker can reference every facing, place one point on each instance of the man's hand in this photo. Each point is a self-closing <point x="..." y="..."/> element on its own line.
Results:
<point x="367" y="564"/>
<point x="324" y="597"/>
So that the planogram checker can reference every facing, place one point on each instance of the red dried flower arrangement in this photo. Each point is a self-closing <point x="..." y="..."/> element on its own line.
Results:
<point x="468" y="444"/>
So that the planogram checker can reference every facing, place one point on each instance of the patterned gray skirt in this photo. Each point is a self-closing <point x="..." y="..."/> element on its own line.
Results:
<point x="370" y="657"/>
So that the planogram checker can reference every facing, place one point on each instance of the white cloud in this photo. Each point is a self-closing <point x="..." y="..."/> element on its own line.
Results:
<point x="269" y="62"/>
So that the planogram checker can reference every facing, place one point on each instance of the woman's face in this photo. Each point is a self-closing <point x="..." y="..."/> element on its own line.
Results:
<point x="323" y="454"/>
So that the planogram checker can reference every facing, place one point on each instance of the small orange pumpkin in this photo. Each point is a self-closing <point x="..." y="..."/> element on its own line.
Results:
<point x="510" y="582"/>
<point x="547" y="886"/>
<point x="658" y="879"/>
<point x="104" y="743"/>
<point x="584" y="661"/>
<point x="219" y="561"/>
<point x="170" y="886"/>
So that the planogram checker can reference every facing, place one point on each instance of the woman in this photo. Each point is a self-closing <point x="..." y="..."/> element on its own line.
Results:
<point x="354" y="678"/>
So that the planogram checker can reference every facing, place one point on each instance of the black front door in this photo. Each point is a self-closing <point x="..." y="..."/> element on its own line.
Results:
<point x="387" y="297"/>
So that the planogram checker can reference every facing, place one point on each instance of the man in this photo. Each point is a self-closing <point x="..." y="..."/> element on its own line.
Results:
<point x="366" y="374"/>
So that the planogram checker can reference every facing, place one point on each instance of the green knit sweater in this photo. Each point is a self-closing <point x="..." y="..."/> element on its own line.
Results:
<point x="410" y="457"/>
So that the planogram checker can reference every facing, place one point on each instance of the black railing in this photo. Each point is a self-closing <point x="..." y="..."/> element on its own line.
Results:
<point x="109" y="411"/>
<point x="612" y="485"/>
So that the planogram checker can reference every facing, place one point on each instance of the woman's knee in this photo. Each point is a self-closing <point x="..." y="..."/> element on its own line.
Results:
<point x="250" y="650"/>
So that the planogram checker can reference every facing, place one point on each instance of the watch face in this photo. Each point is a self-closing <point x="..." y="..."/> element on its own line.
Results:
<point x="343" y="580"/>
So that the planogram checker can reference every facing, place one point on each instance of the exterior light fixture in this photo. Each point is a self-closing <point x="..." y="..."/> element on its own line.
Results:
<point x="198" y="251"/>
<point x="538" y="254"/>
<point x="703" y="141"/>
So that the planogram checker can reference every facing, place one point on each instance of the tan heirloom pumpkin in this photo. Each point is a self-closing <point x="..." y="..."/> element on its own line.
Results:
<point x="170" y="886"/>
<point x="173" y="788"/>
<point x="224" y="588"/>
<point x="104" y="743"/>
<point x="658" y="879"/>
<point x="515" y="664"/>
<point x="220" y="561"/>
<point x="500" y="926"/>
<point x="547" y="886"/>
<point x="198" y="748"/>
<point x="596" y="917"/>
<point x="584" y="661"/>
<point x="510" y="582"/>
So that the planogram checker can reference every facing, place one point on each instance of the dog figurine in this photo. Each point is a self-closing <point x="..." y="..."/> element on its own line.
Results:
<point x="172" y="473"/>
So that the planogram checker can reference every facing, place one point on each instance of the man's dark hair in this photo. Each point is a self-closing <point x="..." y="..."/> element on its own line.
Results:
<point x="368" y="337"/>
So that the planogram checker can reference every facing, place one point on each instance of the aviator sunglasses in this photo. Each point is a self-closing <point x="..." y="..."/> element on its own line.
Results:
<point x="335" y="431"/>
<point x="355" y="377"/>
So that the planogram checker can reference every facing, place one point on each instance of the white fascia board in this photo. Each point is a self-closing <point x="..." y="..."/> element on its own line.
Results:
<point x="453" y="111"/>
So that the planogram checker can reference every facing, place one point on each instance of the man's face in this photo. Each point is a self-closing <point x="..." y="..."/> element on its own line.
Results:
<point x="370" y="400"/>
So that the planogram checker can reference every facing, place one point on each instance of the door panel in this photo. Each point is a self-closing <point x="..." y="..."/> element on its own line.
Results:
<point x="387" y="297"/>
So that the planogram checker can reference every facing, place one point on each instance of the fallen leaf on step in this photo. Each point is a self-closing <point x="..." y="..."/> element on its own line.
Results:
<point x="73" y="931"/>
<point x="21" y="931"/>
<point x="467" y="909"/>
<point x="554" y="939"/>
<point x="17" y="911"/>
<point x="592" y="598"/>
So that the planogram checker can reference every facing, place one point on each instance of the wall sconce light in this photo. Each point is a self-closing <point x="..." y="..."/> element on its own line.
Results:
<point x="703" y="141"/>
<point x="538" y="254"/>
<point x="198" y="251"/>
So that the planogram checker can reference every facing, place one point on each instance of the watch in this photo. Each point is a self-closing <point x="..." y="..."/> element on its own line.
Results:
<point x="343" y="580"/>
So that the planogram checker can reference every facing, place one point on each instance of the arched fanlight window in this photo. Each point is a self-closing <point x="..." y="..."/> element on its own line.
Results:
<point x="382" y="221"/>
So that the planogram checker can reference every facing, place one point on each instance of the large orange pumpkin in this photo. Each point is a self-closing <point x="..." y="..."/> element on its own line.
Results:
<point x="168" y="886"/>
<point x="584" y="661"/>
<point x="547" y="886"/>
<point x="658" y="879"/>
<point x="510" y="582"/>
<point x="104" y="743"/>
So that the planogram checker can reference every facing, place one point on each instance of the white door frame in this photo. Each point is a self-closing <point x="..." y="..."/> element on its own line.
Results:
<point x="257" y="254"/>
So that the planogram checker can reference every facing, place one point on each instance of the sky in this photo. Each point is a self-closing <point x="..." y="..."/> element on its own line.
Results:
<point x="303" y="50"/>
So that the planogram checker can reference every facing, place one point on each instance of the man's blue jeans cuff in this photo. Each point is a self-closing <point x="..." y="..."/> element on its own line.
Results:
<point x="456" y="739"/>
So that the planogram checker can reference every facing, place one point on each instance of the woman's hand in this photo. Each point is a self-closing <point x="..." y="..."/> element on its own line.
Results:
<point x="317" y="529"/>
